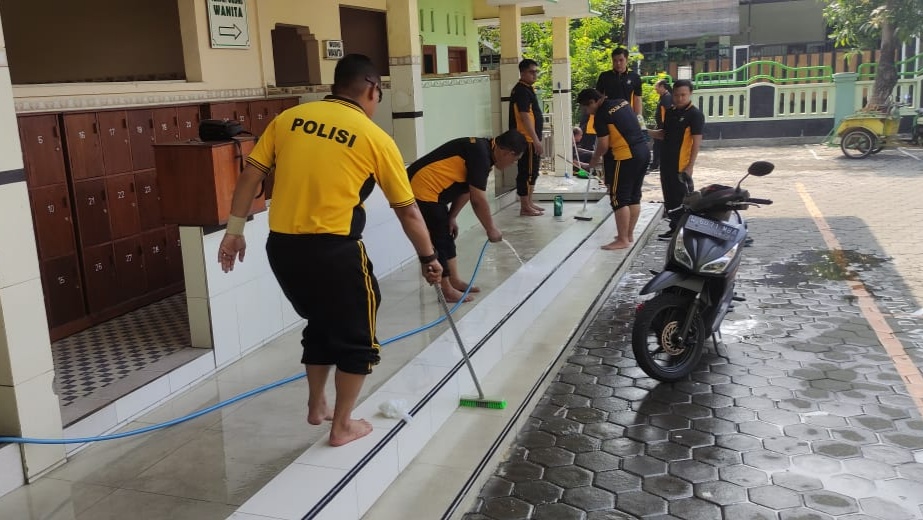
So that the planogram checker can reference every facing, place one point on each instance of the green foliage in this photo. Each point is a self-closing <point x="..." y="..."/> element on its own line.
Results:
<point x="858" y="23"/>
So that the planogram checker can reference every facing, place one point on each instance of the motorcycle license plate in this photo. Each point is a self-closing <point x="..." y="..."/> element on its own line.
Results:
<point x="712" y="228"/>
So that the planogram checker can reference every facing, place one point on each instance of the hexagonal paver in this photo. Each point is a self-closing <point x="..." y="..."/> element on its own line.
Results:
<point x="803" y="513"/>
<point x="796" y="481"/>
<point x="617" y="481"/>
<point x="569" y="476"/>
<point x="587" y="415"/>
<point x="608" y="515"/>
<point x="603" y="430"/>
<point x="693" y="471"/>
<point x="851" y="485"/>
<point x="836" y="449"/>
<point x="551" y="457"/>
<point x="870" y="469"/>
<point x="787" y="446"/>
<point x="766" y="460"/>
<point x="597" y="461"/>
<point x="694" y="509"/>
<point x="520" y="471"/>
<point x="558" y="512"/>
<point x="623" y="447"/>
<point x="610" y="404"/>
<point x="774" y="497"/>
<point x="716" y="456"/>
<point x="644" y="466"/>
<point x="667" y="486"/>
<point x="883" y="508"/>
<point x="496" y="487"/>
<point x="749" y="511"/>
<point x="670" y="422"/>
<point x="537" y="492"/>
<point x="739" y="442"/>
<point x="561" y="426"/>
<point x="888" y="454"/>
<point x="691" y="411"/>
<point x="743" y="476"/>
<point x="735" y="414"/>
<point x="904" y="440"/>
<point x="720" y="493"/>
<point x="714" y="426"/>
<point x="570" y="400"/>
<point x="536" y="439"/>
<point x="668" y="451"/>
<point x="578" y="443"/>
<point x="640" y="503"/>
<point x="507" y="508"/>
<point x="589" y="498"/>
<point x="692" y="438"/>
<point x="760" y="429"/>
<point x="806" y="432"/>
<point x="816" y="464"/>
<point x="646" y="433"/>
<point x="830" y="502"/>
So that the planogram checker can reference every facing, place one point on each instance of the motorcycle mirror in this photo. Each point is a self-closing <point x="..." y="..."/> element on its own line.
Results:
<point x="760" y="168"/>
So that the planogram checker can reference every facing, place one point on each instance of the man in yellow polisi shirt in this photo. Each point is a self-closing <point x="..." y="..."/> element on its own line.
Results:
<point x="328" y="156"/>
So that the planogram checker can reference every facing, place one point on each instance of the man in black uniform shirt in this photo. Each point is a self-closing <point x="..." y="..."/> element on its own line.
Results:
<point x="682" y="135"/>
<point x="665" y="91"/>
<point x="621" y="144"/>
<point x="453" y="174"/>
<point x="621" y="83"/>
<point x="526" y="117"/>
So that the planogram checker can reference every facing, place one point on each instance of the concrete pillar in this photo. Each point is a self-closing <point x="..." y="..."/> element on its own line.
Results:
<point x="561" y="87"/>
<point x="28" y="404"/>
<point x="406" y="78"/>
<point x="510" y="55"/>
<point x="844" y="98"/>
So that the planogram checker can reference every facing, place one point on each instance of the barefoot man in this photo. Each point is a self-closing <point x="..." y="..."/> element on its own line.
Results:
<point x="526" y="117"/>
<point x="624" y="151"/>
<point x="328" y="155"/>
<point x="444" y="180"/>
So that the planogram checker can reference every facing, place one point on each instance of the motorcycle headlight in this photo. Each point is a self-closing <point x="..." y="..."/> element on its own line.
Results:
<point x="720" y="265"/>
<point x="679" y="250"/>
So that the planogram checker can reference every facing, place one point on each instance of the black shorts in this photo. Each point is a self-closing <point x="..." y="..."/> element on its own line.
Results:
<point x="329" y="281"/>
<point x="527" y="172"/>
<point x="625" y="179"/>
<point x="436" y="216"/>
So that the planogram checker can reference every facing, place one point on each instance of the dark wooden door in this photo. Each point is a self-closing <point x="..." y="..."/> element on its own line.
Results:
<point x="63" y="290"/>
<point x="141" y="131"/>
<point x="174" y="255"/>
<point x="54" y="222"/>
<point x="458" y="59"/>
<point x="261" y="113"/>
<point x="92" y="210"/>
<point x="123" y="205"/>
<point x="83" y="148"/>
<point x="188" y="117"/>
<point x="166" y="125"/>
<point x="41" y="150"/>
<point x="156" y="267"/>
<point x="129" y="268"/>
<point x="116" y="144"/>
<point x="100" y="282"/>
<point x="288" y="103"/>
<point x="148" y="200"/>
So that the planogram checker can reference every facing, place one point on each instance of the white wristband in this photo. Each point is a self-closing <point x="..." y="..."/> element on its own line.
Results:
<point x="235" y="225"/>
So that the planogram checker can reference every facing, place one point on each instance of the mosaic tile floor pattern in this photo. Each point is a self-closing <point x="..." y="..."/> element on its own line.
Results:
<point x="101" y="355"/>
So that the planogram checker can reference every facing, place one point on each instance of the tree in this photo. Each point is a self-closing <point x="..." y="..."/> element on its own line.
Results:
<point x="867" y="24"/>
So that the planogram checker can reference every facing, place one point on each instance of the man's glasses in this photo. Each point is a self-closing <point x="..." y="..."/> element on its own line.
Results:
<point x="534" y="71"/>
<point x="377" y="87"/>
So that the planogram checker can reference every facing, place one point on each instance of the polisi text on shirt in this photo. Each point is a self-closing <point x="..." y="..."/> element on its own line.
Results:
<point x="312" y="127"/>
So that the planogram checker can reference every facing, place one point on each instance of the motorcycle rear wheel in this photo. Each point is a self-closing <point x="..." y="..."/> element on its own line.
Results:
<point x="654" y="338"/>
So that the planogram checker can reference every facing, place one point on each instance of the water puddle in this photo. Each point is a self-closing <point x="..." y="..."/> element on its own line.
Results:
<point x="818" y="266"/>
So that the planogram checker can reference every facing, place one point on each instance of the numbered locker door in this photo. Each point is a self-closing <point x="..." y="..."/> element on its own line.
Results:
<point x="141" y="132"/>
<point x="290" y="102"/>
<point x="166" y="125"/>
<point x="84" y="151"/>
<point x="174" y="255"/>
<point x="221" y="110"/>
<point x="100" y="282"/>
<point x="242" y="114"/>
<point x="115" y="140"/>
<point x="123" y="205"/>
<point x="156" y="267"/>
<point x="129" y="267"/>
<point x="260" y="116"/>
<point x="188" y="117"/>
<point x="148" y="200"/>
<point x="63" y="291"/>
<point x="92" y="210"/>
<point x="54" y="223"/>
<point x="41" y="150"/>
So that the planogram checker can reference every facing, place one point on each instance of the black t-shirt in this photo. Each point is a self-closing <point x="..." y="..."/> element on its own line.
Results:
<point x="446" y="172"/>
<point x="614" y="118"/>
<point x="524" y="101"/>
<point x="679" y="125"/>
<point x="666" y="101"/>
<point x="616" y="85"/>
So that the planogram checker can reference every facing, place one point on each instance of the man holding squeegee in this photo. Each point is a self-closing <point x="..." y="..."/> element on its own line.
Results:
<point x="445" y="179"/>
<point x="623" y="149"/>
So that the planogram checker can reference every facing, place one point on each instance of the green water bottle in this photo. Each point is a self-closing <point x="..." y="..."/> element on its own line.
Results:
<point x="558" y="205"/>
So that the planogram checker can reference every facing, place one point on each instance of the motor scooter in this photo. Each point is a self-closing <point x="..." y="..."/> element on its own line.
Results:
<point x="695" y="290"/>
<point x="916" y="129"/>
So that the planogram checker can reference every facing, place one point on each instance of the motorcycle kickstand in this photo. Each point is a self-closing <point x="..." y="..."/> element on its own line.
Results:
<point x="714" y="338"/>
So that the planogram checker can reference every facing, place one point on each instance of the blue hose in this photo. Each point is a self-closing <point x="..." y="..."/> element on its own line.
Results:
<point x="239" y="397"/>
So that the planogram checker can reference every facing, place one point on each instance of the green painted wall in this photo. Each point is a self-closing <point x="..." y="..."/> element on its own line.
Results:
<point x="449" y="23"/>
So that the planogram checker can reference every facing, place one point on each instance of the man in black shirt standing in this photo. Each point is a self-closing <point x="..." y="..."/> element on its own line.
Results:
<point x="621" y="83"/>
<point x="526" y="117"/>
<point x="665" y="91"/>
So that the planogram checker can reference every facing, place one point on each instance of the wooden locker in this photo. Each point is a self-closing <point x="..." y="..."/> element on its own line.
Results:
<point x="99" y="277"/>
<point x="174" y="255"/>
<point x="261" y="113"/>
<point x="141" y="131"/>
<point x="221" y="110"/>
<point x="288" y="103"/>
<point x="156" y="266"/>
<point x="242" y="114"/>
<point x="115" y="141"/>
<point x="148" y="200"/>
<point x="84" y="152"/>
<point x="54" y="222"/>
<point x="63" y="290"/>
<point x="123" y="205"/>
<point x="189" y="118"/>
<point x="129" y="268"/>
<point x="166" y="125"/>
<point x="92" y="211"/>
<point x="41" y="150"/>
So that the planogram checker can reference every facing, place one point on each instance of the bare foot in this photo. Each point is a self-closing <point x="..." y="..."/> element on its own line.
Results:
<point x="356" y="429"/>
<point x="538" y="208"/>
<point x="618" y="244"/>
<point x="319" y="413"/>
<point x="462" y="286"/>
<point x="529" y="213"/>
<point x="630" y="239"/>
<point x="453" y="295"/>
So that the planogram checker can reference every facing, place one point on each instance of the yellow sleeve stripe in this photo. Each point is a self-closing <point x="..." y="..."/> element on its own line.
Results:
<point x="404" y="204"/>
<point x="263" y="168"/>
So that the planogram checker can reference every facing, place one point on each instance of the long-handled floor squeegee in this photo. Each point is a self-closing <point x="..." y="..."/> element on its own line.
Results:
<point x="582" y="214"/>
<point x="475" y="402"/>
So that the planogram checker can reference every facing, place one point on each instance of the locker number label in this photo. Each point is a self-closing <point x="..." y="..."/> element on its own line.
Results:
<point x="120" y="194"/>
<point x="129" y="257"/>
<point x="112" y="132"/>
<point x="91" y="201"/>
<point x="82" y="134"/>
<point x="98" y="266"/>
<point x="41" y="139"/>
<point x="147" y="189"/>
<point x="51" y="208"/>
<point x="62" y="280"/>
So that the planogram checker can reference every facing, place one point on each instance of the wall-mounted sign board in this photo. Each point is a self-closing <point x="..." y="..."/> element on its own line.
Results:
<point x="227" y="24"/>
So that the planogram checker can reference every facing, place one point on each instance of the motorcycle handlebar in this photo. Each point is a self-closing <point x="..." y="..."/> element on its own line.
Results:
<point x="759" y="201"/>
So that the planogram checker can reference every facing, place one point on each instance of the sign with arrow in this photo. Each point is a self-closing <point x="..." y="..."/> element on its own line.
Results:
<point x="227" y="24"/>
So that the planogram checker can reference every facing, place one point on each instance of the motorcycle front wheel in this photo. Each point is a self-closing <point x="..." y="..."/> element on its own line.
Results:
<point x="655" y="337"/>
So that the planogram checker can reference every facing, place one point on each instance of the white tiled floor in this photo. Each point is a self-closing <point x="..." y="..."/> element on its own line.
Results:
<point x="208" y="467"/>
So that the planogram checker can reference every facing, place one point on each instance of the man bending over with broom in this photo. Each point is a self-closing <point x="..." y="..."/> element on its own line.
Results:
<point x="445" y="179"/>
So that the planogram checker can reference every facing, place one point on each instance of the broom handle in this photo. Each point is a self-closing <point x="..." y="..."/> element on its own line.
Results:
<point x="448" y="316"/>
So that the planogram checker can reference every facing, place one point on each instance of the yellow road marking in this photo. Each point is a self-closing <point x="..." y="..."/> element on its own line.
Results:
<point x="909" y="372"/>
